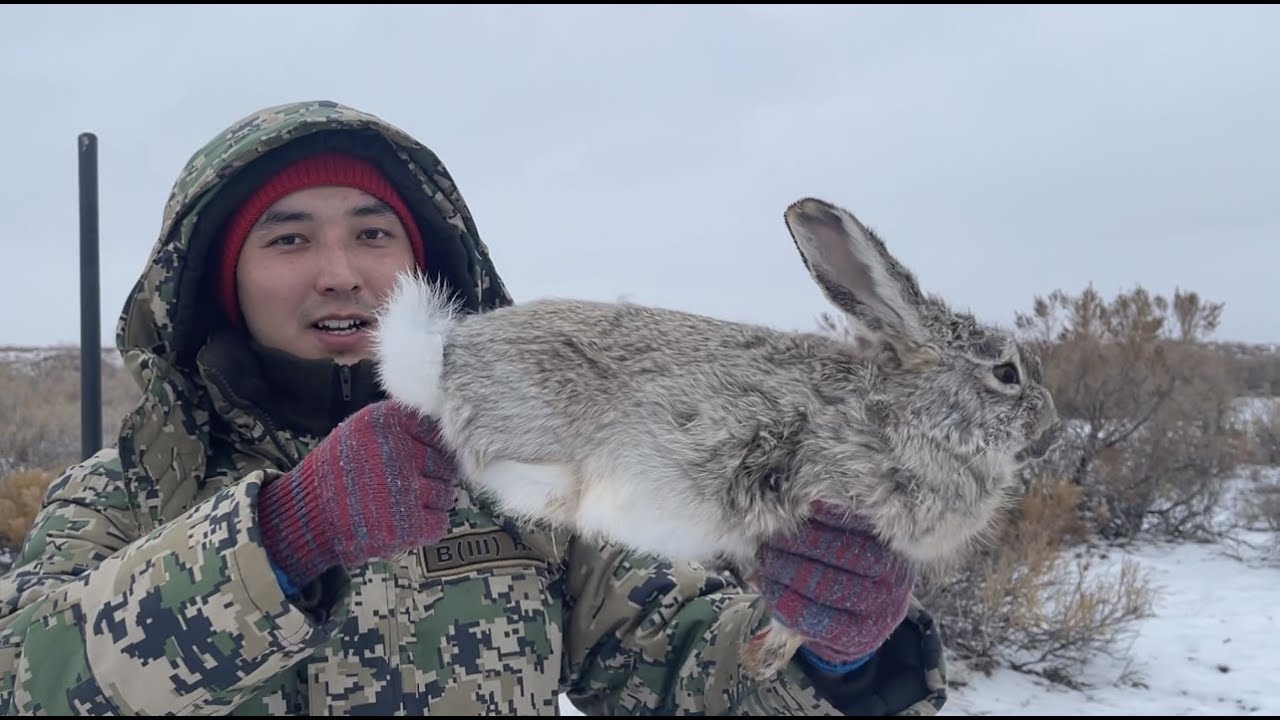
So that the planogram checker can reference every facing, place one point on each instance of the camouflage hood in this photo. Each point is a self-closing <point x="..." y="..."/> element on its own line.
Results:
<point x="165" y="315"/>
<point x="169" y="316"/>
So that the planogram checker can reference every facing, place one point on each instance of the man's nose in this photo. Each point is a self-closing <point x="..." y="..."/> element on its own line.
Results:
<point x="336" y="273"/>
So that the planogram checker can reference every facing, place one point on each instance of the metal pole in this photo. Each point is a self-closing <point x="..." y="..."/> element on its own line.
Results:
<point x="90" y="331"/>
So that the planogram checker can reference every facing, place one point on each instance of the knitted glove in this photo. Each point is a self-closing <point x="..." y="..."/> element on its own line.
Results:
<point x="377" y="485"/>
<point x="838" y="585"/>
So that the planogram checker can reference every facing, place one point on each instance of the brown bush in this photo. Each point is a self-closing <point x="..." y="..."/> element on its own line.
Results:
<point x="20" y="496"/>
<point x="1023" y="601"/>
<point x="40" y="407"/>
<point x="1153" y="402"/>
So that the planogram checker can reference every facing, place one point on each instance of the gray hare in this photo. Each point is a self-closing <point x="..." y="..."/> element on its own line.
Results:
<point x="698" y="439"/>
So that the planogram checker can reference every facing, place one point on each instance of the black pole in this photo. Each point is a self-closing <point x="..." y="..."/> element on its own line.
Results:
<point x="90" y="331"/>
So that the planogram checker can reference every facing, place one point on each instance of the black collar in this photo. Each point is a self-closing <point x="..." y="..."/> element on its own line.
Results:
<point x="305" y="396"/>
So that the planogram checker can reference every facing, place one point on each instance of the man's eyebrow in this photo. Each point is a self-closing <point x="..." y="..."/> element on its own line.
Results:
<point x="373" y="207"/>
<point x="280" y="217"/>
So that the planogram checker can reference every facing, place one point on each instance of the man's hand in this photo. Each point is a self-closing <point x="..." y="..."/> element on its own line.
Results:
<point x="838" y="585"/>
<point x="381" y="483"/>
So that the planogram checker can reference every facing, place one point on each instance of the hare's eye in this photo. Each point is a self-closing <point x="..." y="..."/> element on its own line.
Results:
<point x="1006" y="373"/>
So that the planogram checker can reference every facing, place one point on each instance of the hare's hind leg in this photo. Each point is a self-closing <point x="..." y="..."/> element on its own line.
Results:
<point x="769" y="650"/>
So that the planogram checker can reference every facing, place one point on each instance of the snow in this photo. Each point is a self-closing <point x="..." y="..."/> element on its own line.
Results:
<point x="1209" y="648"/>
<point x="1247" y="410"/>
<point x="26" y="358"/>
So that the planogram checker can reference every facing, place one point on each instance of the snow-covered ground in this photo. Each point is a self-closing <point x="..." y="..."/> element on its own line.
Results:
<point x="1247" y="410"/>
<point x="1211" y="647"/>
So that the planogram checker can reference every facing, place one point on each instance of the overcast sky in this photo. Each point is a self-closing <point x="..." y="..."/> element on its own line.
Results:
<point x="648" y="153"/>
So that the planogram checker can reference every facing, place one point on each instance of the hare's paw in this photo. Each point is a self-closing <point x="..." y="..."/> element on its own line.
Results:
<point x="769" y="651"/>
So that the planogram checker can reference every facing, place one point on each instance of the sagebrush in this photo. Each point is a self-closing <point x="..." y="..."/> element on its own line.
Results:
<point x="1151" y="404"/>
<point x="20" y="496"/>
<point x="40" y="425"/>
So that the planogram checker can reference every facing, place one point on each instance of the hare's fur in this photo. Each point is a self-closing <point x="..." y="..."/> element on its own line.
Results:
<point x="699" y="439"/>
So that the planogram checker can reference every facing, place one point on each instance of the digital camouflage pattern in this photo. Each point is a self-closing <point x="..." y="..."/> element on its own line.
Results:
<point x="143" y="587"/>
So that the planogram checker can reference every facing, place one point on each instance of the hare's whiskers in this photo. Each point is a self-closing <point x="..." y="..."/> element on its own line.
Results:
<point x="986" y="449"/>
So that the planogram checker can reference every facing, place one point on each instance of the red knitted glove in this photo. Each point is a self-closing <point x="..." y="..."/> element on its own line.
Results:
<point x="377" y="485"/>
<point x="838" y="585"/>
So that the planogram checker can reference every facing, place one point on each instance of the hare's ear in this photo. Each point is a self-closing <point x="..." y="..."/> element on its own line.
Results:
<point x="856" y="273"/>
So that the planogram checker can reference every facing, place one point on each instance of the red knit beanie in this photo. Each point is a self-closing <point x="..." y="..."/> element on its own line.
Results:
<point x="332" y="168"/>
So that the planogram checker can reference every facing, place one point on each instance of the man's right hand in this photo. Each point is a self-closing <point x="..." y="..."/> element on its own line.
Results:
<point x="379" y="484"/>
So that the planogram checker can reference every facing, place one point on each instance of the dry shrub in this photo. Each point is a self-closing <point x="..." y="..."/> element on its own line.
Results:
<point x="1024" y="601"/>
<point x="40" y="407"/>
<point x="1076" y="612"/>
<point x="1153" y="402"/>
<point x="21" y="494"/>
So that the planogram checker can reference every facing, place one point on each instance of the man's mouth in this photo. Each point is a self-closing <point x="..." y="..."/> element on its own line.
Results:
<point x="348" y="326"/>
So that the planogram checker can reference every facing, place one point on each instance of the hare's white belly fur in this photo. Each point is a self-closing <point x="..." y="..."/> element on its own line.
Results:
<point x="614" y="507"/>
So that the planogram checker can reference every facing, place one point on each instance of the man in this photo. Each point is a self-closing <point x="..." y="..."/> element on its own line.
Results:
<point x="271" y="536"/>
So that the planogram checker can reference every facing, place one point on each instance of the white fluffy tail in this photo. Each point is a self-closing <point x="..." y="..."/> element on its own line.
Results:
<point x="409" y="343"/>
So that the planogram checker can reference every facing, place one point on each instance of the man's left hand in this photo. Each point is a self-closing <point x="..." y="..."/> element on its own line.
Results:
<point x="837" y="584"/>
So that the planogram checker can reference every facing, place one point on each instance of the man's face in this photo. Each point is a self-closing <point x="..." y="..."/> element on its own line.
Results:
<point x="316" y="261"/>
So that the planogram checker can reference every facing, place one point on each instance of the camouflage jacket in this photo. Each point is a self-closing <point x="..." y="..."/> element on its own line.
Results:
<point x="143" y="587"/>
